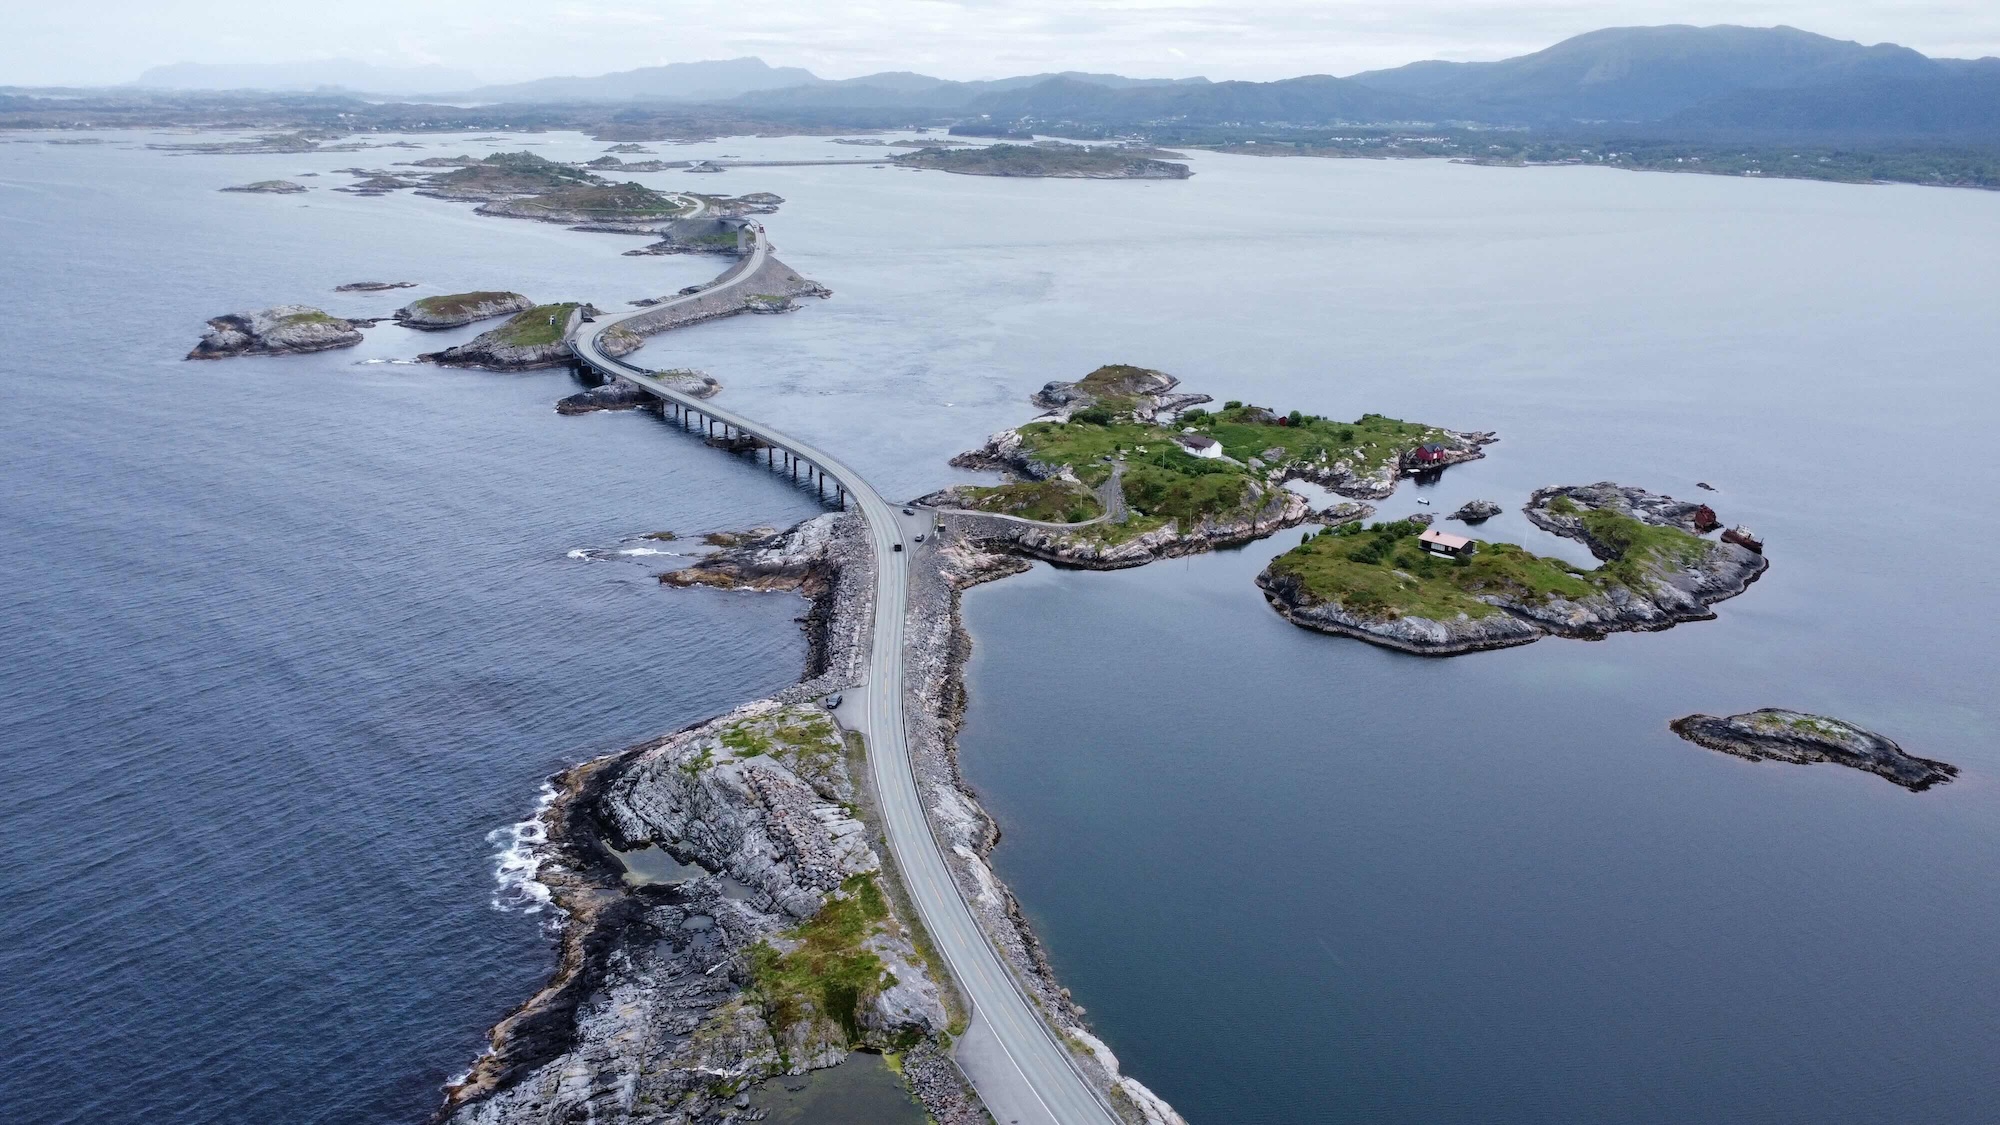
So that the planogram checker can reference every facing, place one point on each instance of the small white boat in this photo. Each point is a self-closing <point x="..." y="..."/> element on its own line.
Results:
<point x="1423" y="501"/>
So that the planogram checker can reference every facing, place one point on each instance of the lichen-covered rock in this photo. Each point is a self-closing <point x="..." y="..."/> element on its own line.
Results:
<point x="1776" y="735"/>
<point x="279" y="330"/>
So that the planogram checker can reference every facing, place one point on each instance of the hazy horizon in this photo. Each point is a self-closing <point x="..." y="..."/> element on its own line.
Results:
<point x="501" y="41"/>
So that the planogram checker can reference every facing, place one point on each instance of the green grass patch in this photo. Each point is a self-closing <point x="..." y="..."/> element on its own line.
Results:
<point x="458" y="304"/>
<point x="1368" y="443"/>
<point x="609" y="200"/>
<point x="1055" y="501"/>
<point x="536" y="327"/>
<point x="313" y="316"/>
<point x="1640" y="545"/>
<point x="1382" y="572"/>
<point x="829" y="974"/>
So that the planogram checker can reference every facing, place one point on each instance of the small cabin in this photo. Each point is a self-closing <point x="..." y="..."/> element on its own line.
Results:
<point x="1199" y="445"/>
<point x="1445" y="543"/>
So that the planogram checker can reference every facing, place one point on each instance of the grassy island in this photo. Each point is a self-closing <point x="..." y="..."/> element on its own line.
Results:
<point x="1382" y="572"/>
<point x="513" y="173"/>
<point x="1060" y="161"/>
<point x="611" y="201"/>
<point x="1161" y="479"/>
<point x="1380" y="584"/>
<point x="537" y="327"/>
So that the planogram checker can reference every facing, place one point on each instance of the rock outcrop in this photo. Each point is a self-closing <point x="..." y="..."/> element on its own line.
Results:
<point x="534" y="338"/>
<point x="1774" y="735"/>
<point x="373" y="286"/>
<point x="279" y="330"/>
<point x="269" y="187"/>
<point x="1147" y="394"/>
<point x="455" y="310"/>
<point x="1475" y="511"/>
<point x="619" y="394"/>
<point x="670" y="1000"/>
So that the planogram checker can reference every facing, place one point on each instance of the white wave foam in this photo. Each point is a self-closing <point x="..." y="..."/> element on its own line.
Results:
<point x="519" y="858"/>
<point x="645" y="551"/>
<point x="584" y="553"/>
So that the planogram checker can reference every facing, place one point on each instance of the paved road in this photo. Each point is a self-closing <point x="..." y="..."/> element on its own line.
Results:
<point x="1019" y="1069"/>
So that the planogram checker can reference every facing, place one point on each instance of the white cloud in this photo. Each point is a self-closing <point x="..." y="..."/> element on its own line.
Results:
<point x="113" y="40"/>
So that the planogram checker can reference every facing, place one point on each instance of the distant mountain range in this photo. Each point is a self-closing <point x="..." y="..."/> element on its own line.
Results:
<point x="1776" y="80"/>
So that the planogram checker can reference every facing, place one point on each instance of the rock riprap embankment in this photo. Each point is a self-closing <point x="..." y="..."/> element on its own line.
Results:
<point x="1387" y="585"/>
<point x="1776" y="735"/>
<point x="279" y="330"/>
<point x="621" y="395"/>
<point x="455" y="310"/>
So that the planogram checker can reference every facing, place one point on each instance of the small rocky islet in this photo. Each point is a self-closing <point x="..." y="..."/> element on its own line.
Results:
<point x="278" y="330"/>
<point x="1773" y="734"/>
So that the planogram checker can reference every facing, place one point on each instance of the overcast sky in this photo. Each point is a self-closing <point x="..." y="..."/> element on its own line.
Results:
<point x="107" y="41"/>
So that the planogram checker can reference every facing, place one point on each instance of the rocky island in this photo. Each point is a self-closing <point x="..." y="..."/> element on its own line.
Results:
<point x="1123" y="470"/>
<point x="269" y="187"/>
<point x="621" y="204"/>
<point x="279" y="330"/>
<point x="531" y="339"/>
<point x="373" y="286"/>
<point x="1077" y="162"/>
<point x="455" y="310"/>
<point x="1396" y="585"/>
<point x="1775" y="735"/>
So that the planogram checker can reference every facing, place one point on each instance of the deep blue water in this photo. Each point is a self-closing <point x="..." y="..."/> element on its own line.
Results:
<point x="286" y="639"/>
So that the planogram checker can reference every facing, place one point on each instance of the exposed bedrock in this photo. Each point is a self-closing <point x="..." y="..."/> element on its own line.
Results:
<point x="1775" y="735"/>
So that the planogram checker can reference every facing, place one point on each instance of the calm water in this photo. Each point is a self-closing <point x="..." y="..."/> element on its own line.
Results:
<point x="287" y="639"/>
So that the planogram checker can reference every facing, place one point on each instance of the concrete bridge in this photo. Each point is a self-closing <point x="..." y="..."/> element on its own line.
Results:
<point x="1012" y="1057"/>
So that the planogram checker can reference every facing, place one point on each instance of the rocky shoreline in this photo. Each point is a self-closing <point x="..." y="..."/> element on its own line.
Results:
<point x="1776" y="735"/>
<point x="670" y="1000"/>
<point x="631" y="1030"/>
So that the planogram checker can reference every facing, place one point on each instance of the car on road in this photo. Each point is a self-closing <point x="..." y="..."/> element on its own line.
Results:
<point x="897" y="547"/>
<point x="909" y="511"/>
<point x="690" y="291"/>
<point x="920" y="538"/>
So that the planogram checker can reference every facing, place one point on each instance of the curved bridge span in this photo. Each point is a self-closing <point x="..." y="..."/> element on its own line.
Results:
<point x="1009" y="1052"/>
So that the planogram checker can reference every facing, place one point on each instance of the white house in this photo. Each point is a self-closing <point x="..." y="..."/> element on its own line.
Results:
<point x="1199" y="445"/>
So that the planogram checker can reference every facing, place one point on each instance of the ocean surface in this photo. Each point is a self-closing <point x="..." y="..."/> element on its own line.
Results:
<point x="290" y="645"/>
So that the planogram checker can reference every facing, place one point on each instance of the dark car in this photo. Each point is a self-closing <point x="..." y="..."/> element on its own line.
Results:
<point x="897" y="547"/>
